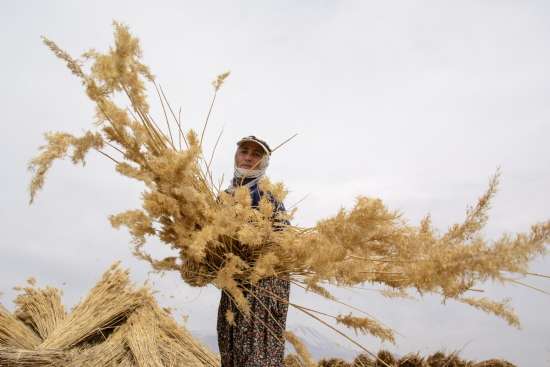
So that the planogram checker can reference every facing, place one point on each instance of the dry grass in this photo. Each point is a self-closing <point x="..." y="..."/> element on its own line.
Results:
<point x="15" y="333"/>
<point x="440" y="359"/>
<point x="113" y="348"/>
<point x="178" y="343"/>
<point x="19" y="357"/>
<point x="219" y="238"/>
<point x="386" y="359"/>
<point x="363" y="360"/>
<point x="333" y="362"/>
<point x="108" y="302"/>
<point x="411" y="360"/>
<point x="42" y="309"/>
<point x="494" y="363"/>
<point x="302" y="356"/>
<point x="141" y="337"/>
<point x="292" y="360"/>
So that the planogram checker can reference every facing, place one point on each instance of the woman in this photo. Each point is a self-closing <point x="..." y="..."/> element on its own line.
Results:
<point x="255" y="340"/>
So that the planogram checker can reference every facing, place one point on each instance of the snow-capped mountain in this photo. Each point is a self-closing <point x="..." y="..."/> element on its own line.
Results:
<point x="208" y="338"/>
<point x="318" y="345"/>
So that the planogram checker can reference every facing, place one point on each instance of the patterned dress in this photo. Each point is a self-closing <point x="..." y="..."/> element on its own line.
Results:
<point x="256" y="340"/>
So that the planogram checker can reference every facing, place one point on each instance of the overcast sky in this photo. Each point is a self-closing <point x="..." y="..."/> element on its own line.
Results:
<point x="414" y="102"/>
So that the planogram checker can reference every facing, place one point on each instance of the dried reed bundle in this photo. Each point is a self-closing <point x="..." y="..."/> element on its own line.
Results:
<point x="176" y="343"/>
<point x="494" y="363"/>
<point x="439" y="359"/>
<point x="220" y="239"/>
<point x="411" y="360"/>
<point x="292" y="360"/>
<point x="14" y="333"/>
<point x="109" y="301"/>
<point x="126" y="361"/>
<point x="150" y="340"/>
<point x="141" y="337"/>
<point x="363" y="360"/>
<point x="111" y="350"/>
<point x="18" y="357"/>
<point x="334" y="362"/>
<point x="41" y="309"/>
<point x="385" y="359"/>
<point x="174" y="354"/>
<point x="302" y="356"/>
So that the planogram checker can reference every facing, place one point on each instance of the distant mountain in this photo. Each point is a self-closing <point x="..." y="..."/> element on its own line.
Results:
<point x="318" y="345"/>
<point x="209" y="338"/>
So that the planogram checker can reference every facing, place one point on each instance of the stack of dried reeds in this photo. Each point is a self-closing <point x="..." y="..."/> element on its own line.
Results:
<point x="220" y="239"/>
<point x="115" y="325"/>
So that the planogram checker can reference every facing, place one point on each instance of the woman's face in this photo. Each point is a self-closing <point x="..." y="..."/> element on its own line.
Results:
<point x="249" y="155"/>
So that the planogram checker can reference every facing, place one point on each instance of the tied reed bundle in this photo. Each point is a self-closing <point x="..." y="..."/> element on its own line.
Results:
<point x="363" y="360"/>
<point x="334" y="362"/>
<point x="109" y="301"/>
<point x="221" y="239"/>
<point x="42" y="309"/>
<point x="440" y="359"/>
<point x="411" y="360"/>
<point x="178" y="347"/>
<point x="494" y="363"/>
<point x="16" y="357"/>
<point x="141" y="337"/>
<point x="302" y="356"/>
<point x="292" y="360"/>
<point x="103" y="354"/>
<point x="156" y="340"/>
<point x="386" y="358"/>
<point x="14" y="333"/>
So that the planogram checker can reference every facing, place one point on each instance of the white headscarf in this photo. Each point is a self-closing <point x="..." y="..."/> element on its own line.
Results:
<point x="248" y="177"/>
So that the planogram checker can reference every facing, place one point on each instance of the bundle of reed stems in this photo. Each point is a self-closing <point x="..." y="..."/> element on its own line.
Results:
<point x="16" y="333"/>
<point x="23" y="357"/>
<point x="115" y="325"/>
<point x="110" y="301"/>
<point x="42" y="309"/>
<point x="219" y="238"/>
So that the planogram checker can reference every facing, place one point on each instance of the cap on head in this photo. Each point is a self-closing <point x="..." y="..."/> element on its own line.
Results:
<point x="254" y="139"/>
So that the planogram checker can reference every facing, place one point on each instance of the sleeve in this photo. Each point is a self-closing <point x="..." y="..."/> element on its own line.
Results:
<point x="256" y="195"/>
<point x="280" y="207"/>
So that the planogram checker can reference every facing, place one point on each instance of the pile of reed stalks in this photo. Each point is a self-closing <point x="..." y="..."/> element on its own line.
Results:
<point x="115" y="325"/>
<point x="220" y="239"/>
